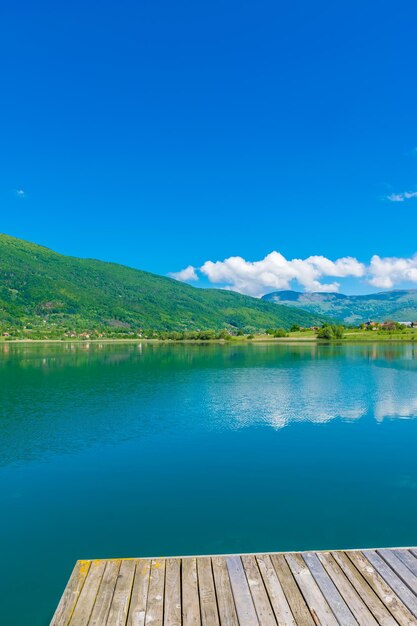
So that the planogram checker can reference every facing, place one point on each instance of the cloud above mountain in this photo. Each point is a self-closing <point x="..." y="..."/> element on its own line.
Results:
<point x="314" y="273"/>
<point x="390" y="271"/>
<point x="185" y="275"/>
<point x="277" y="272"/>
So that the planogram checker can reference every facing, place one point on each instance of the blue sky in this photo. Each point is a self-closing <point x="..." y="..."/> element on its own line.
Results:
<point x="164" y="135"/>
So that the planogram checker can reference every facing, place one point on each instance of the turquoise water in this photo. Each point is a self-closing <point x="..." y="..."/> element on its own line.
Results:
<point x="134" y="450"/>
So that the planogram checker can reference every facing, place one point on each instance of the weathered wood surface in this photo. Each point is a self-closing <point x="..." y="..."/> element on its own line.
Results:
<point x="341" y="588"/>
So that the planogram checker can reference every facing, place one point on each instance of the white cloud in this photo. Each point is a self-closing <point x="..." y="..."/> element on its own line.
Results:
<point x="188" y="273"/>
<point x="388" y="271"/>
<point x="275" y="272"/>
<point x="401" y="197"/>
<point x="20" y="193"/>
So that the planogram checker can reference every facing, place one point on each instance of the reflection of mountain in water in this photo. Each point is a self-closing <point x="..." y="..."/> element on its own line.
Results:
<point x="57" y="399"/>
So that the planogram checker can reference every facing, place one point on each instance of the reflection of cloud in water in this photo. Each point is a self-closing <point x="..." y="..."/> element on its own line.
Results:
<point x="277" y="397"/>
<point x="319" y="416"/>
<point x="316" y="392"/>
<point x="396" y="394"/>
<point x="396" y="407"/>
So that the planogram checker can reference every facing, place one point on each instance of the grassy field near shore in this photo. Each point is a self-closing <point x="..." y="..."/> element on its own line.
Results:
<point x="350" y="335"/>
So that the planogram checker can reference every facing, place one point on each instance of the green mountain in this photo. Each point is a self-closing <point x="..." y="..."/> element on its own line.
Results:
<point x="400" y="305"/>
<point x="40" y="289"/>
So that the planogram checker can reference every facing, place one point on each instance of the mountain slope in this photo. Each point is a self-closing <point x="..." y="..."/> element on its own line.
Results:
<point x="400" y="305"/>
<point x="41" y="288"/>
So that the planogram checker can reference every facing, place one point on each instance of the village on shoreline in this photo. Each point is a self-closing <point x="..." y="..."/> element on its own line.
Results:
<point x="369" y="332"/>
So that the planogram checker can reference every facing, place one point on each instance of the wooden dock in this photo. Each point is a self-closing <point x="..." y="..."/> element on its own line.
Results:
<point x="367" y="587"/>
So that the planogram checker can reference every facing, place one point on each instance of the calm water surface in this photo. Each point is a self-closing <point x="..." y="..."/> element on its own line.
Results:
<point x="144" y="450"/>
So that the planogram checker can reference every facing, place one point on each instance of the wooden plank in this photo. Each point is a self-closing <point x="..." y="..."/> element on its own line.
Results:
<point x="367" y="587"/>
<point x="88" y="595"/>
<point x="408" y="559"/>
<point x="243" y="599"/>
<point x="276" y="594"/>
<point x="172" y="602"/>
<point x="70" y="596"/>
<point x="119" y="606"/>
<point x="329" y="590"/>
<point x="399" y="568"/>
<point x="155" y="605"/>
<point x="316" y="602"/>
<point x="397" y="609"/>
<point x="364" y="590"/>
<point x="207" y="592"/>
<point x="293" y="594"/>
<point x="225" y="601"/>
<point x="259" y="595"/>
<point x="396" y="584"/>
<point x="105" y="593"/>
<point x="138" y="600"/>
<point x="359" y="609"/>
<point x="190" y="596"/>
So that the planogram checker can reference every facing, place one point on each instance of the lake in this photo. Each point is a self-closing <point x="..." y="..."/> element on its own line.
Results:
<point x="110" y="450"/>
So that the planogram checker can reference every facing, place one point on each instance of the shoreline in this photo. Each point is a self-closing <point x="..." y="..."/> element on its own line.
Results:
<point x="255" y="340"/>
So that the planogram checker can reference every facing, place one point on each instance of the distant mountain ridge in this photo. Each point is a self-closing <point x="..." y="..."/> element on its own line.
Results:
<point x="399" y="305"/>
<point x="43" y="289"/>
